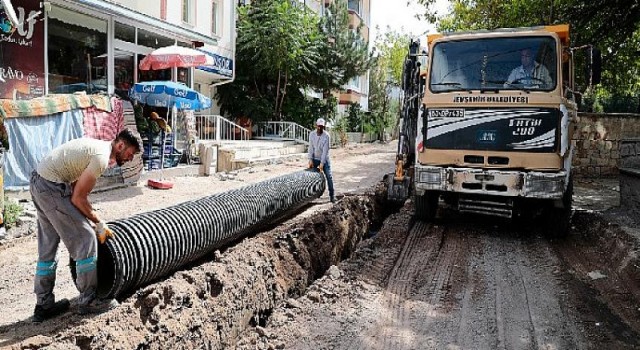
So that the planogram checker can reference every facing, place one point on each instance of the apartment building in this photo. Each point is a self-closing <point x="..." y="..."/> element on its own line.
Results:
<point x="67" y="46"/>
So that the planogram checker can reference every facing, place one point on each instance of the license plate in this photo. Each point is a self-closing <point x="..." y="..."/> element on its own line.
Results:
<point x="446" y="113"/>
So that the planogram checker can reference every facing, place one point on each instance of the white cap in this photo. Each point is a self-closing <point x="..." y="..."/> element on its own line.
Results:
<point x="320" y="122"/>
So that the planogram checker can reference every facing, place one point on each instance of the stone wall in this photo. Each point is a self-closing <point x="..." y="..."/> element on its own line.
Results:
<point x="630" y="174"/>
<point x="597" y="139"/>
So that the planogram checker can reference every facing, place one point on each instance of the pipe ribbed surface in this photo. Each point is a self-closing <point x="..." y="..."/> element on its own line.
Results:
<point x="150" y="245"/>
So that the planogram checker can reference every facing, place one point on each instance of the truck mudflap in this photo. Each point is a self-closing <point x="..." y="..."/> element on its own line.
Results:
<point x="531" y="184"/>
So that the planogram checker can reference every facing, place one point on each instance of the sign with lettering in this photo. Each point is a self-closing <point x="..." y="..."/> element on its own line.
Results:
<point x="22" y="52"/>
<point x="221" y="65"/>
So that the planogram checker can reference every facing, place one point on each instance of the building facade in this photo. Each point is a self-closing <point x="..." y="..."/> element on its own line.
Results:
<point x="64" y="46"/>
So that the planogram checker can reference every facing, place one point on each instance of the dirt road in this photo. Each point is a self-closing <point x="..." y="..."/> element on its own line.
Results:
<point x="339" y="277"/>
<point x="469" y="283"/>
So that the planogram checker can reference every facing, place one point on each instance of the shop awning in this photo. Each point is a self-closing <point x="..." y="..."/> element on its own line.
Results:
<point x="111" y="8"/>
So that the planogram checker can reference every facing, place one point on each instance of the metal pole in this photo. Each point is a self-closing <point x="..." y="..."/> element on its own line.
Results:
<point x="218" y="128"/>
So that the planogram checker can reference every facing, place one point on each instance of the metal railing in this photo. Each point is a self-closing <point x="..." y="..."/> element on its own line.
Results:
<point x="218" y="128"/>
<point x="283" y="130"/>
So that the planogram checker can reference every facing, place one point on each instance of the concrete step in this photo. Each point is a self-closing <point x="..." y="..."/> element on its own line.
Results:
<point x="244" y="163"/>
<point x="254" y="153"/>
<point x="234" y="155"/>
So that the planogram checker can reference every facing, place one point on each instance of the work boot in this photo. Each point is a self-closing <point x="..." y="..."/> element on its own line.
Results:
<point x="333" y="199"/>
<point x="97" y="306"/>
<point x="42" y="313"/>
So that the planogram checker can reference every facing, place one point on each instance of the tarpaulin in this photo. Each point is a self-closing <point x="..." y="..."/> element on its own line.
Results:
<point x="52" y="104"/>
<point x="31" y="139"/>
<point x="102" y="125"/>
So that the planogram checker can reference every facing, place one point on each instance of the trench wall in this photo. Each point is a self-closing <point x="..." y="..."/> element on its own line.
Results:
<point x="597" y="139"/>
<point x="630" y="174"/>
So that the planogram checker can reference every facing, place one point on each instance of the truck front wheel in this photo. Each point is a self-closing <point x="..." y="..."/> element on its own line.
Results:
<point x="426" y="206"/>
<point x="559" y="219"/>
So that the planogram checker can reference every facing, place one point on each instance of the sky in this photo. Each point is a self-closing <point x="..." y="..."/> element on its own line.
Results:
<point x="400" y="17"/>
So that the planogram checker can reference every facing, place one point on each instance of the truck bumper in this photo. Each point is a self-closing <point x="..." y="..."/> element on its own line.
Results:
<point x="529" y="184"/>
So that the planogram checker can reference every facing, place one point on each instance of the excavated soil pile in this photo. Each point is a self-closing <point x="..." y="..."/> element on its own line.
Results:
<point x="604" y="256"/>
<point x="209" y="305"/>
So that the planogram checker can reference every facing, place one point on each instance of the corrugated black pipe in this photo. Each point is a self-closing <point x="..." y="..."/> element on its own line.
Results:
<point x="151" y="245"/>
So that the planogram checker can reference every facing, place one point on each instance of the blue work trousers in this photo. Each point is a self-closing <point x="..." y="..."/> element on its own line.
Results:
<point x="327" y="174"/>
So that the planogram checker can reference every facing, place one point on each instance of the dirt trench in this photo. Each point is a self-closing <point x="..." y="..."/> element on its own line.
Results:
<point x="209" y="305"/>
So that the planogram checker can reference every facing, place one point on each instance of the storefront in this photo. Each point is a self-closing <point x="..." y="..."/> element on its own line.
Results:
<point x="93" y="46"/>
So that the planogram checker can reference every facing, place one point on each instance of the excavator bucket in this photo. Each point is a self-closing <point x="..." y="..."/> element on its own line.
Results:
<point x="398" y="189"/>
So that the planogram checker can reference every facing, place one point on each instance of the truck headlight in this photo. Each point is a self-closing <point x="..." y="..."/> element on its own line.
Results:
<point x="545" y="186"/>
<point x="431" y="177"/>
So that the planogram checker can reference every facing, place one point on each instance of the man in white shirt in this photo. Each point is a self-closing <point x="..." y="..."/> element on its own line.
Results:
<point x="319" y="144"/>
<point x="529" y="73"/>
<point x="60" y="188"/>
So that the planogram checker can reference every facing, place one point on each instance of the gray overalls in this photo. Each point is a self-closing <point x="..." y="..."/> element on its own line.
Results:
<point x="59" y="219"/>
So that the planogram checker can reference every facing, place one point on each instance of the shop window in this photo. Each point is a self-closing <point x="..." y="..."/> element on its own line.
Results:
<point x="125" y="32"/>
<point x="124" y="68"/>
<point x="77" y="52"/>
<point x="153" y="40"/>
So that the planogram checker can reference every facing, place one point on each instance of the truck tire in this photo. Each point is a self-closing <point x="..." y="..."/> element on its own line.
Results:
<point x="426" y="206"/>
<point x="559" y="219"/>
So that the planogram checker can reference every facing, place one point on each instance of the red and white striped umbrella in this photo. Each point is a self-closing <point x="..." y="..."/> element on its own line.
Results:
<point x="175" y="56"/>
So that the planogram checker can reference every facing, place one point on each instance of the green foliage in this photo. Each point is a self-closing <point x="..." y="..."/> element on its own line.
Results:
<point x="354" y="117"/>
<point x="305" y="110"/>
<point x="385" y="76"/>
<point x="340" y="128"/>
<point x="12" y="211"/>
<point x="278" y="45"/>
<point x="600" y="100"/>
<point x="283" y="50"/>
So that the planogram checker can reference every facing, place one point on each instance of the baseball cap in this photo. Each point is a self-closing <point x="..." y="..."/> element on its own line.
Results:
<point x="320" y="122"/>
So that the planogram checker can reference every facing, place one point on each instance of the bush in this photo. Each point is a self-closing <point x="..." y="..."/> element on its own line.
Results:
<point x="12" y="211"/>
<point x="602" y="102"/>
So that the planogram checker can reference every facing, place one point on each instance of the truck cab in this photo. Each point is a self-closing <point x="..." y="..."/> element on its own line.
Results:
<point x="494" y="129"/>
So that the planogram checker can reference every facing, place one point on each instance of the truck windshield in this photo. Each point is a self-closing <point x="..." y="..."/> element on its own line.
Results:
<point x="508" y="63"/>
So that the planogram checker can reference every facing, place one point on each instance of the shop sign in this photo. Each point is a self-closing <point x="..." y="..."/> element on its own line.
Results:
<point x="221" y="65"/>
<point x="22" y="52"/>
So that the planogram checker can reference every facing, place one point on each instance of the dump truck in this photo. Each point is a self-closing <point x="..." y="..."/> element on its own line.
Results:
<point x="486" y="123"/>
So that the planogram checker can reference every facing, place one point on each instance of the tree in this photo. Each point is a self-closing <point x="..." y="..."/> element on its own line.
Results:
<point x="284" y="50"/>
<point x="354" y="118"/>
<point x="281" y="42"/>
<point x="346" y="54"/>
<point x="385" y="77"/>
